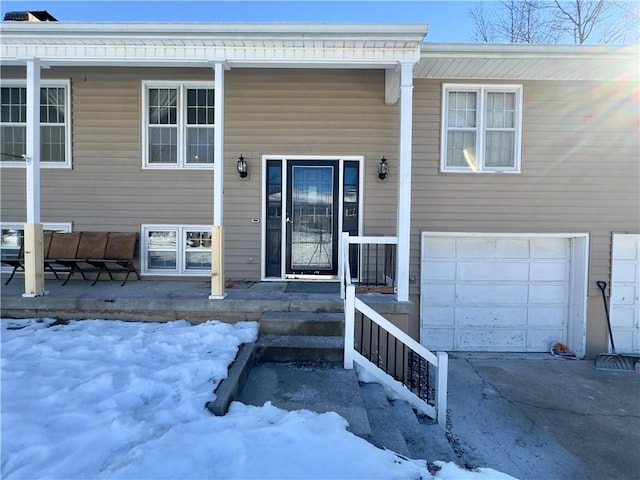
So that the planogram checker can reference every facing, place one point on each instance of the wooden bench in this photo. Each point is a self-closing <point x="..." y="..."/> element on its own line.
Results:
<point x="84" y="252"/>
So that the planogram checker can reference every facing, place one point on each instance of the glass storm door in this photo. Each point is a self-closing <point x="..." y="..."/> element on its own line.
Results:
<point x="312" y="218"/>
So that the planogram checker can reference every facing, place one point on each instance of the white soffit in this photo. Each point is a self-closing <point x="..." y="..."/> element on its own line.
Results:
<point x="529" y="62"/>
<point x="190" y="44"/>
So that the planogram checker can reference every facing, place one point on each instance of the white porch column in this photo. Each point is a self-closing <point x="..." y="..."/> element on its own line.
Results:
<point x="404" y="181"/>
<point x="33" y="251"/>
<point x="217" y="231"/>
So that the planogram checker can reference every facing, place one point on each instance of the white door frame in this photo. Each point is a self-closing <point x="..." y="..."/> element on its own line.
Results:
<point x="284" y="159"/>
<point x="578" y="278"/>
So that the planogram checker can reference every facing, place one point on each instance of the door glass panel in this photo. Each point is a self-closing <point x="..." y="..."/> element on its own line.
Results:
<point x="274" y="219"/>
<point x="311" y="218"/>
<point x="351" y="209"/>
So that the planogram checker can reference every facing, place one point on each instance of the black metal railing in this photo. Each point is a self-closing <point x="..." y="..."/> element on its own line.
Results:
<point x="395" y="358"/>
<point x="377" y="265"/>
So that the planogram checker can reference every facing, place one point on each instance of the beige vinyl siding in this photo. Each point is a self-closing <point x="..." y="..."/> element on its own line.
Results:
<point x="268" y="112"/>
<point x="580" y="170"/>
<point x="302" y="113"/>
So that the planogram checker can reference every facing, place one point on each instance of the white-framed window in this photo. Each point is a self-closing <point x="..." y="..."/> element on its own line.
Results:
<point x="176" y="250"/>
<point x="12" y="236"/>
<point x="179" y="124"/>
<point x="481" y="128"/>
<point x="55" y="123"/>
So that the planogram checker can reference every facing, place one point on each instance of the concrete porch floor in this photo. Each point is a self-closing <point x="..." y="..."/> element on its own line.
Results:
<point x="166" y="300"/>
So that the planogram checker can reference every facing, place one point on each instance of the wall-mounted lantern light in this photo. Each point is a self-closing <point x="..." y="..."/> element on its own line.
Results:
<point x="242" y="167"/>
<point x="383" y="169"/>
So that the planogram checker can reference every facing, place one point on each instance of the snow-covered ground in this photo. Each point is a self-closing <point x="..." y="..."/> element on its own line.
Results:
<point x="100" y="399"/>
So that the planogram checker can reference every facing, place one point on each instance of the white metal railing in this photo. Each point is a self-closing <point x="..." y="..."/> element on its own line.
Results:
<point x="396" y="360"/>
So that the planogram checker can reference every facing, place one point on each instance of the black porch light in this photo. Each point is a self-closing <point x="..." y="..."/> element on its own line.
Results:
<point x="383" y="168"/>
<point x="242" y="167"/>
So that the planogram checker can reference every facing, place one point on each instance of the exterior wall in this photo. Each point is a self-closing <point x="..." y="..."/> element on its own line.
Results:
<point x="580" y="174"/>
<point x="277" y="112"/>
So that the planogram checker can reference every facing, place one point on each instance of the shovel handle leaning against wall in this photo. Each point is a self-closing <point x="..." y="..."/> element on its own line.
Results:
<point x="603" y="286"/>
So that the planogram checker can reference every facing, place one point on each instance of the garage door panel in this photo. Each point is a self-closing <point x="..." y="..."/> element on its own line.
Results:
<point x="622" y="317"/>
<point x="495" y="293"/>
<point x="438" y="316"/>
<point x="482" y="339"/>
<point x="547" y="316"/>
<point x="436" y="247"/>
<point x="623" y="295"/>
<point x="626" y="271"/>
<point x="490" y="316"/>
<point x="625" y="248"/>
<point x="439" y="271"/>
<point x="540" y="341"/>
<point x="492" y="294"/>
<point x="438" y="338"/>
<point x="625" y="292"/>
<point x="549" y="272"/>
<point x="549" y="248"/>
<point x="439" y="293"/>
<point x="548" y="294"/>
<point x="484" y="271"/>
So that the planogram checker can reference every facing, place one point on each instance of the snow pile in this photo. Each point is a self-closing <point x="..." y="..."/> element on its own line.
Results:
<point x="107" y="399"/>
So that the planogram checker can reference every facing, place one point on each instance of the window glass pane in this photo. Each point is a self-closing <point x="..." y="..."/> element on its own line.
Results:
<point x="163" y="106"/>
<point x="462" y="109"/>
<point x="200" y="106"/>
<point x="499" y="149"/>
<point x="163" y="145"/>
<point x="501" y="110"/>
<point x="14" y="105"/>
<point x="461" y="149"/>
<point x="161" y="250"/>
<point x="11" y="241"/>
<point x="13" y="143"/>
<point x="197" y="250"/>
<point x="52" y="147"/>
<point x="200" y="145"/>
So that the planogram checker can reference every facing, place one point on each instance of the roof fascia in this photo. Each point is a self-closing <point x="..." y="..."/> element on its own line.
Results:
<point x="493" y="50"/>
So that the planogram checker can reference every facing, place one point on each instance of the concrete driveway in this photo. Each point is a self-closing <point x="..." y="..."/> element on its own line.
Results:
<point x="540" y="417"/>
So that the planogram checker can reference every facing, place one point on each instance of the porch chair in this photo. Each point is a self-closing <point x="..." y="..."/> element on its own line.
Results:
<point x="16" y="262"/>
<point x="64" y="247"/>
<point x="120" y="250"/>
<point x="91" y="245"/>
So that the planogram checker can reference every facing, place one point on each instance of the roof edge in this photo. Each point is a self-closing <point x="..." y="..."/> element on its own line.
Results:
<point x="510" y="50"/>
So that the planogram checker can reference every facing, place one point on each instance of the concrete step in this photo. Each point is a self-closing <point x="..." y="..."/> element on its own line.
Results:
<point x="299" y="348"/>
<point x="319" y="388"/>
<point x="384" y="431"/>
<point x="302" y="323"/>
<point x="395" y="425"/>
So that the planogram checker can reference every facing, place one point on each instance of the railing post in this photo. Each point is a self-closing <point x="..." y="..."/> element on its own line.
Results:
<point x="441" y="389"/>
<point x="349" y="326"/>
<point x="345" y="264"/>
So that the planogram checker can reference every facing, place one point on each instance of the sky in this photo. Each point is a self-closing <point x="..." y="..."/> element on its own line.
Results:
<point x="448" y="21"/>
<point x="105" y="399"/>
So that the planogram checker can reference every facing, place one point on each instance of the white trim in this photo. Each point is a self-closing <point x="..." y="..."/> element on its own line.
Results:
<point x="578" y="277"/>
<point x="61" y="83"/>
<point x="181" y="123"/>
<point x="480" y="129"/>
<point x="180" y="249"/>
<point x="403" y="215"/>
<point x="218" y="144"/>
<point x="263" y="212"/>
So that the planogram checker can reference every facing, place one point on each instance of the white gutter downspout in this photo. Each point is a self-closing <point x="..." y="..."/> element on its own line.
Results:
<point x="33" y="251"/>
<point x="404" y="181"/>
<point x="217" y="231"/>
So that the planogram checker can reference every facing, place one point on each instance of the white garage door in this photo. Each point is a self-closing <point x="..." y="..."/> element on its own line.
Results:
<point x="625" y="293"/>
<point x="495" y="293"/>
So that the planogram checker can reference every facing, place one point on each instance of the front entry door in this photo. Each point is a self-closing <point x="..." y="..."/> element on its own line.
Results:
<point x="312" y="218"/>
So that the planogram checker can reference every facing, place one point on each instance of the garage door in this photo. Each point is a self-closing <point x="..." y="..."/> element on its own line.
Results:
<point x="625" y="293"/>
<point x="495" y="293"/>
